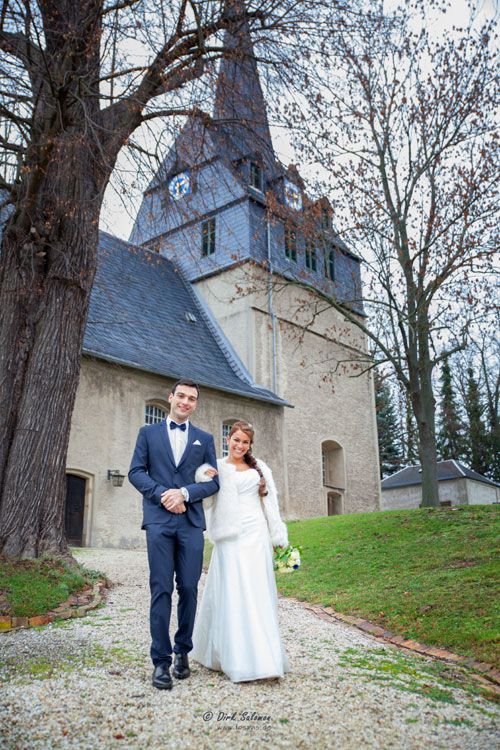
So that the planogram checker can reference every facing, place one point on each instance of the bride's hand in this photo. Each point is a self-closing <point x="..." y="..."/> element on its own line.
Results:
<point x="211" y="472"/>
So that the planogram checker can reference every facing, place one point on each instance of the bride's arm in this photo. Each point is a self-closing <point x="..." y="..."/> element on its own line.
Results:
<point x="205" y="473"/>
<point x="277" y="529"/>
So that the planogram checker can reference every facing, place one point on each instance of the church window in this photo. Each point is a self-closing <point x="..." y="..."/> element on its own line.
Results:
<point x="291" y="243"/>
<point x="208" y="237"/>
<point x="153" y="414"/>
<point x="311" y="261"/>
<point x="255" y="176"/>
<point x="330" y="264"/>
<point x="226" y="429"/>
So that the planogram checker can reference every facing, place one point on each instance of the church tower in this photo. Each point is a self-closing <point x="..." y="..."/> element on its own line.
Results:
<point x="242" y="229"/>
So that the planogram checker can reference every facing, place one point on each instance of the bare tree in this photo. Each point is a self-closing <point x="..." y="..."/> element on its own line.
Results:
<point x="403" y="125"/>
<point x="78" y="79"/>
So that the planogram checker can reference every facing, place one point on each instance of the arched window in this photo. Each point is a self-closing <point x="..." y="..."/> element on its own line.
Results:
<point x="226" y="429"/>
<point x="333" y="465"/>
<point x="154" y="413"/>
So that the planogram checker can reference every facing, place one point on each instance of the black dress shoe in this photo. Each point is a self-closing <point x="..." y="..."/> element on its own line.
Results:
<point x="161" y="677"/>
<point x="181" y="666"/>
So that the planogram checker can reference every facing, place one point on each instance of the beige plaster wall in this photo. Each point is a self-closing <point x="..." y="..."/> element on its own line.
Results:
<point x="479" y="493"/>
<point x="312" y="374"/>
<point x="400" y="498"/>
<point x="108" y="414"/>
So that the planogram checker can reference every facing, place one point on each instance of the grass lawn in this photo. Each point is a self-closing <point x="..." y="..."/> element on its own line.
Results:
<point x="430" y="575"/>
<point x="34" y="587"/>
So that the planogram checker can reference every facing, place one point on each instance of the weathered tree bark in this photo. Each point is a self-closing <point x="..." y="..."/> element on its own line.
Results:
<point x="48" y="263"/>
<point x="425" y="408"/>
<point x="424" y="404"/>
<point x="49" y="252"/>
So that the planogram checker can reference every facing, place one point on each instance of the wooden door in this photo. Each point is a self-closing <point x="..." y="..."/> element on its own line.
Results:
<point x="334" y="504"/>
<point x="75" y="505"/>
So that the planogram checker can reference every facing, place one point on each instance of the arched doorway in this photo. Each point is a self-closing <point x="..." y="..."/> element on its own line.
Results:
<point x="334" y="500"/>
<point x="333" y="468"/>
<point x="76" y="488"/>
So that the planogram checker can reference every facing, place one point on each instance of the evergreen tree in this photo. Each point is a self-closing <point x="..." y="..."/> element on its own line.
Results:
<point x="450" y="441"/>
<point x="478" y="438"/>
<point x="390" y="454"/>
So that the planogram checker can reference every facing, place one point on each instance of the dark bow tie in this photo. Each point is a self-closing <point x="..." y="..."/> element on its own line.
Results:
<point x="173" y="426"/>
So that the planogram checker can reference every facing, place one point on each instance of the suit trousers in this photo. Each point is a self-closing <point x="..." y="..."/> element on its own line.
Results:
<point x="174" y="546"/>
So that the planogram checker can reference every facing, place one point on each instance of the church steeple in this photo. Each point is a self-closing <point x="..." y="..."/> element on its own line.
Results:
<point x="239" y="102"/>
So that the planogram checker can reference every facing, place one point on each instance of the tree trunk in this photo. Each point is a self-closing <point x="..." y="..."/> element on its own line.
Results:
<point x="48" y="263"/>
<point x="425" y="410"/>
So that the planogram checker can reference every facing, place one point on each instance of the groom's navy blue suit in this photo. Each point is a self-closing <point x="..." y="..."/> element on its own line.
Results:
<point x="175" y="540"/>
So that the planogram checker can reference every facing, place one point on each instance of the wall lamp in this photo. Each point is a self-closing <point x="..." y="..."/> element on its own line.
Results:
<point x="115" y="477"/>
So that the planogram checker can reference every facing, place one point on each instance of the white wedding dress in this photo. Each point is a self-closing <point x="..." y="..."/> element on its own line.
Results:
<point x="236" y="630"/>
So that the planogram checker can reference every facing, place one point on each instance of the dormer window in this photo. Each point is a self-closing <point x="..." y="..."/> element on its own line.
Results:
<point x="330" y="264"/>
<point x="311" y="263"/>
<point x="208" y="237"/>
<point x="291" y="243"/>
<point x="255" y="176"/>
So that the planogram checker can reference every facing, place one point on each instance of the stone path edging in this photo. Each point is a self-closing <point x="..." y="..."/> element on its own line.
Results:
<point x="76" y="606"/>
<point x="489" y="675"/>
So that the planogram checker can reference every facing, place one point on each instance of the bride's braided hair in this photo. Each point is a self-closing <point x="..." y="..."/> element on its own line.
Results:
<point x="249" y="458"/>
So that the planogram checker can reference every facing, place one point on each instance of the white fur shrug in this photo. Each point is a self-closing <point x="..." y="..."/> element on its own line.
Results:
<point x="222" y="511"/>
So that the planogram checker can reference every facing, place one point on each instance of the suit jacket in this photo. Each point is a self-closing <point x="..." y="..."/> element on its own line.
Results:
<point x="153" y="470"/>
<point x="223" y="511"/>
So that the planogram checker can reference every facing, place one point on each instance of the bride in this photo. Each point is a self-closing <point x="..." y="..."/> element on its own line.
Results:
<point x="236" y="630"/>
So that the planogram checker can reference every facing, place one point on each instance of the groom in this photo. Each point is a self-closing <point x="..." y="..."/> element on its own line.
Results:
<point x="163" y="466"/>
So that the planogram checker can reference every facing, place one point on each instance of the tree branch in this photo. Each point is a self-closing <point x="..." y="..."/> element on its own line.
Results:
<point x="118" y="6"/>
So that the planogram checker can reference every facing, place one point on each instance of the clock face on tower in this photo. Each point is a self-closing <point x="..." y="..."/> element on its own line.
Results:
<point x="179" y="185"/>
<point x="293" y="197"/>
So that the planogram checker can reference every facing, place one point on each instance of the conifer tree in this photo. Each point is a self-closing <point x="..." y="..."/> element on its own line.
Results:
<point x="477" y="443"/>
<point x="450" y="436"/>
<point x="390" y="454"/>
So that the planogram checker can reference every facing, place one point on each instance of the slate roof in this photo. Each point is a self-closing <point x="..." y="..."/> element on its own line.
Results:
<point x="239" y="107"/>
<point x="451" y="469"/>
<point x="137" y="317"/>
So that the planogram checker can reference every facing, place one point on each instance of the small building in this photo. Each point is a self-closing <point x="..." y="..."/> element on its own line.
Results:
<point x="458" y="485"/>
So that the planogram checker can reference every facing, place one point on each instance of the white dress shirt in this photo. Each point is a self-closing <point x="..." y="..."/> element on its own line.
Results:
<point x="178" y="440"/>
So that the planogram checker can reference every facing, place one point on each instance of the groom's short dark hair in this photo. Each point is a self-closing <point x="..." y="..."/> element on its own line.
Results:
<point x="185" y="381"/>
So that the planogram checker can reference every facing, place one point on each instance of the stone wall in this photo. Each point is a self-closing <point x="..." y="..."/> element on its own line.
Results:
<point x="479" y="493"/>
<point x="331" y="401"/>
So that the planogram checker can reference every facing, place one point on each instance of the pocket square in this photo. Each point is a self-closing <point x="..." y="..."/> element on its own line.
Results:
<point x="196" y="442"/>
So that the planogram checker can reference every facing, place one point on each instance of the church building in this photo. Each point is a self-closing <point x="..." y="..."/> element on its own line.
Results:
<point x="224" y="281"/>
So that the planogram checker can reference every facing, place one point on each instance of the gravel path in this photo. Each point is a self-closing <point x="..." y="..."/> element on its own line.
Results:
<point x="86" y="684"/>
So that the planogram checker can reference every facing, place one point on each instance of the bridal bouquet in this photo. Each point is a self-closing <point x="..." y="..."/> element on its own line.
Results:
<point x="287" y="559"/>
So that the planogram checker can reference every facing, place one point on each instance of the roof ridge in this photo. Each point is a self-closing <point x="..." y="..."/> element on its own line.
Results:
<point x="453" y="461"/>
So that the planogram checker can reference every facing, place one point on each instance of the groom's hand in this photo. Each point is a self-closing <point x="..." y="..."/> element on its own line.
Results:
<point x="179" y="508"/>
<point x="173" y="500"/>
